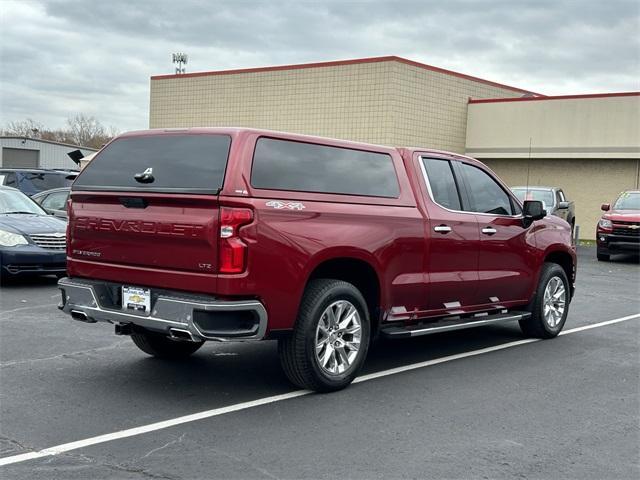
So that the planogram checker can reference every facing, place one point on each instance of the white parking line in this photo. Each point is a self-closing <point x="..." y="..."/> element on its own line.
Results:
<point x="152" y="427"/>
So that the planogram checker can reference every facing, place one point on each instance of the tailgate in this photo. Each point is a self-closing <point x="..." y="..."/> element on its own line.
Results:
<point x="145" y="210"/>
<point x="176" y="232"/>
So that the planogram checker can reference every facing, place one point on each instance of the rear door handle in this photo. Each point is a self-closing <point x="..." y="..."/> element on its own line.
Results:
<point x="442" y="229"/>
<point x="489" y="231"/>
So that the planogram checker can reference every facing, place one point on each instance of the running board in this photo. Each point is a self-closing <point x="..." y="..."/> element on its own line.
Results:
<point x="449" y="325"/>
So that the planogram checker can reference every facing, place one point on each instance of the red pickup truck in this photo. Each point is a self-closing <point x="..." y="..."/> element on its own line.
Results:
<point x="186" y="235"/>
<point x="618" y="231"/>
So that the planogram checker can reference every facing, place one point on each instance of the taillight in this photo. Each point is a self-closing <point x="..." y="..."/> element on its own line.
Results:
<point x="232" y="251"/>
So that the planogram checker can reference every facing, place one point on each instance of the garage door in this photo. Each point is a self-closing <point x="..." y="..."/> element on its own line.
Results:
<point x="20" y="158"/>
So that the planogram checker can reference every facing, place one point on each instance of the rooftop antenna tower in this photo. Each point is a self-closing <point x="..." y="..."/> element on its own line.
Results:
<point x="180" y="59"/>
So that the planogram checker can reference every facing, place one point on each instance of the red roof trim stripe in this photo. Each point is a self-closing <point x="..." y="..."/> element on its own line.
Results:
<point x="555" y="97"/>
<point x="390" y="58"/>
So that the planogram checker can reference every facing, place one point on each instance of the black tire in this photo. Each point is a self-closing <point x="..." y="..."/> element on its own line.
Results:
<point x="161" y="346"/>
<point x="298" y="351"/>
<point x="535" y="325"/>
<point x="603" y="257"/>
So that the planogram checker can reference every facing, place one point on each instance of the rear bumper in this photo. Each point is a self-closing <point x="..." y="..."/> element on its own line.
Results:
<point x="173" y="313"/>
<point x="30" y="259"/>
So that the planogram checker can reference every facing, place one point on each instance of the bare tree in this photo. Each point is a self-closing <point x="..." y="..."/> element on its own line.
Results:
<point x="24" y="128"/>
<point x="86" y="131"/>
<point x="82" y="130"/>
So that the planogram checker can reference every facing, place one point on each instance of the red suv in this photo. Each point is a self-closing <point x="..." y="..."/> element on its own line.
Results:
<point x="182" y="236"/>
<point x="618" y="230"/>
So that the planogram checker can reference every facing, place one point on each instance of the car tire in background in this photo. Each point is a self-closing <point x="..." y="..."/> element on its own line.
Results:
<point x="550" y="305"/>
<point x="603" y="257"/>
<point x="329" y="343"/>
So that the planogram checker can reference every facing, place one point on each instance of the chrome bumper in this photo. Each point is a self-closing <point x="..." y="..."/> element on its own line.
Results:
<point x="171" y="312"/>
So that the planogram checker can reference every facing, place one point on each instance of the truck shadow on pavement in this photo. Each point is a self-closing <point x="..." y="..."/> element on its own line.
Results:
<point x="242" y="372"/>
<point x="624" y="258"/>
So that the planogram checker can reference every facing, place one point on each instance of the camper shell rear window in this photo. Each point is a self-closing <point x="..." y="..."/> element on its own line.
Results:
<point x="177" y="163"/>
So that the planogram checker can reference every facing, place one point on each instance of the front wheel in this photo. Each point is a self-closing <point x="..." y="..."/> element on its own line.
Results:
<point x="550" y="305"/>
<point x="603" y="257"/>
<point x="330" y="339"/>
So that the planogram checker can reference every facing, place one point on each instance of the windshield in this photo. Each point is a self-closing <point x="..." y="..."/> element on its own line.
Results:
<point x="12" y="201"/>
<point x="545" y="196"/>
<point x="628" y="201"/>
<point x="34" y="182"/>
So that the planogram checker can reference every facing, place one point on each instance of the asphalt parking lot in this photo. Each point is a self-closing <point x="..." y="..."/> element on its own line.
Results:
<point x="453" y="407"/>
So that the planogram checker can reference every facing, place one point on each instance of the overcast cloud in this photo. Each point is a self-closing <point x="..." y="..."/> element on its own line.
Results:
<point x="60" y="57"/>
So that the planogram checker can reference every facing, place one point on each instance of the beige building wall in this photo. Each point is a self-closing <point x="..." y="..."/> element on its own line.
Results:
<point x="388" y="101"/>
<point x="588" y="126"/>
<point x="588" y="182"/>
<point x="587" y="145"/>
<point x="430" y="108"/>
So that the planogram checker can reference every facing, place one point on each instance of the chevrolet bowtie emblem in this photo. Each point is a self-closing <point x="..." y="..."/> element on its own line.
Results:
<point x="634" y="227"/>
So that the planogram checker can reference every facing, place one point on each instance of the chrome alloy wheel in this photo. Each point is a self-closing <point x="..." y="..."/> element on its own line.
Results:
<point x="554" y="302"/>
<point x="338" y="337"/>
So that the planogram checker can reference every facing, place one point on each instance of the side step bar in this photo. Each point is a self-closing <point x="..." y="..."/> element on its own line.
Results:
<point x="449" y="325"/>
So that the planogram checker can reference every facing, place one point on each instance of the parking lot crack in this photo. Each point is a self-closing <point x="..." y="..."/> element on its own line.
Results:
<point x="118" y="467"/>
<point x="62" y="355"/>
<point x="172" y="442"/>
<point x="3" y="315"/>
<point x="11" y="442"/>
<point x="140" y="471"/>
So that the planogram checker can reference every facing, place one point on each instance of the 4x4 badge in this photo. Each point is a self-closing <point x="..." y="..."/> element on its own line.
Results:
<point x="280" y="205"/>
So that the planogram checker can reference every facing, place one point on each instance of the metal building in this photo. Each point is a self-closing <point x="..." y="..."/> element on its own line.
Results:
<point x="24" y="152"/>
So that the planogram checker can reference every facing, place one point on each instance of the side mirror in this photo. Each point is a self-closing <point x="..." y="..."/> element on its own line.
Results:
<point x="605" y="207"/>
<point x="532" y="210"/>
<point x="563" y="205"/>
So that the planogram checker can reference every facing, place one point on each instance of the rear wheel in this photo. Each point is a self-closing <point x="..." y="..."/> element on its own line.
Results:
<point x="331" y="337"/>
<point x="161" y="346"/>
<point x="550" y="305"/>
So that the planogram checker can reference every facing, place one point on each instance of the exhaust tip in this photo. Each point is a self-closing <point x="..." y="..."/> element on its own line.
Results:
<point x="81" y="316"/>
<point x="179" y="334"/>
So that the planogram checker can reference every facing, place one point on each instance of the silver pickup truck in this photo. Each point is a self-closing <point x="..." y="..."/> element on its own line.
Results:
<point x="554" y="200"/>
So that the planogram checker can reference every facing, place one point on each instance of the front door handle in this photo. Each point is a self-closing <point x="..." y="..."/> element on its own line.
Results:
<point x="442" y="229"/>
<point x="489" y="231"/>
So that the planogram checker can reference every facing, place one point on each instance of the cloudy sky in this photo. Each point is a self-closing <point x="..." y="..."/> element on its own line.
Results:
<point x="61" y="57"/>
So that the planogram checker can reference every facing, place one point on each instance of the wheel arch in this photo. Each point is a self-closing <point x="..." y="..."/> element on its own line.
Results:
<point x="359" y="272"/>
<point x="567" y="261"/>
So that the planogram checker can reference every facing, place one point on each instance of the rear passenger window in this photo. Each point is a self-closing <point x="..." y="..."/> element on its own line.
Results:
<point x="306" y="167"/>
<point x="442" y="183"/>
<point x="485" y="194"/>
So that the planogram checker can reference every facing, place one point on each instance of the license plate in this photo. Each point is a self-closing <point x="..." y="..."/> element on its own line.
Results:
<point x="136" y="298"/>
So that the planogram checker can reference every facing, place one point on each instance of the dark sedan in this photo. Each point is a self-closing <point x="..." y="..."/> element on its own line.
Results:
<point x="31" y="241"/>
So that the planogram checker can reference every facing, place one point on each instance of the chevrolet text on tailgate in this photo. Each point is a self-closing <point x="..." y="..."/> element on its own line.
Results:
<point x="182" y="236"/>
